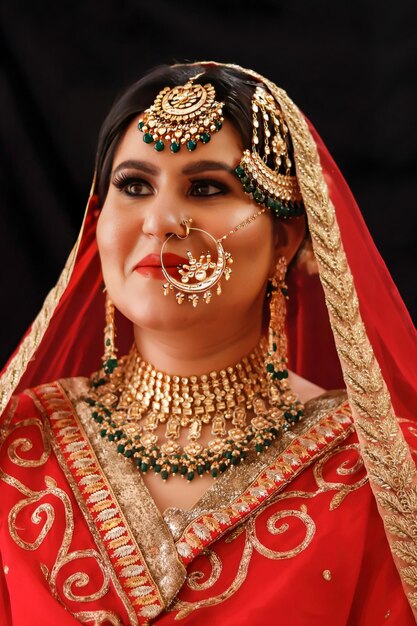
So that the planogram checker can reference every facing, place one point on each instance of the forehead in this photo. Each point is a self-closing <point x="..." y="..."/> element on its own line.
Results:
<point x="225" y="145"/>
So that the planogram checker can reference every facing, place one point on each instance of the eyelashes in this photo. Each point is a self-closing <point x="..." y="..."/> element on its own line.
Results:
<point x="134" y="186"/>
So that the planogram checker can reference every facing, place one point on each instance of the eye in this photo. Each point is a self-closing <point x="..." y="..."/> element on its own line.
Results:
<point x="132" y="185"/>
<point x="207" y="188"/>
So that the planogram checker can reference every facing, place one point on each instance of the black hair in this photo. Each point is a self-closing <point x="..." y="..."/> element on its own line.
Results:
<point x="232" y="86"/>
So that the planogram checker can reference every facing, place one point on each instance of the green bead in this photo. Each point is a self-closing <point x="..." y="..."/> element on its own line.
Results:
<point x="259" y="447"/>
<point x="120" y="448"/>
<point x="191" y="145"/>
<point x="108" y="342"/>
<point x="248" y="188"/>
<point x="159" y="146"/>
<point x="200" y="470"/>
<point x="205" y="137"/>
<point x="270" y="368"/>
<point x="138" y="461"/>
<point x="190" y="476"/>
<point x="147" y="138"/>
<point x="103" y="432"/>
<point x="218" y="125"/>
<point x="128" y="453"/>
<point x="164" y="475"/>
<point x="235" y="460"/>
<point x="144" y="467"/>
<point x="258" y="196"/>
<point x="223" y="467"/>
<point x="141" y="125"/>
<point x="228" y="454"/>
<point x="157" y="468"/>
<point x="183" y="470"/>
<point x="239" y="171"/>
<point x="214" y="473"/>
<point x="270" y="203"/>
<point x="267" y="442"/>
<point x="175" y="469"/>
<point x="175" y="146"/>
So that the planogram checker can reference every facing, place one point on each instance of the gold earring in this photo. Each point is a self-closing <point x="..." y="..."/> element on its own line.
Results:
<point x="276" y="362"/>
<point x="110" y="350"/>
<point x="198" y="277"/>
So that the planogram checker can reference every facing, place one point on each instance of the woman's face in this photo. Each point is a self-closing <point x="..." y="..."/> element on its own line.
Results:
<point x="150" y="193"/>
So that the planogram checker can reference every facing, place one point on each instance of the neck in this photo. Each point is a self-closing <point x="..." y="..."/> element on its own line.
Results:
<point x="196" y="351"/>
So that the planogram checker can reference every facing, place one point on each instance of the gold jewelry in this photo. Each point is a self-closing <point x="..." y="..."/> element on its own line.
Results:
<point x="276" y="362"/>
<point x="180" y="115"/>
<point x="266" y="174"/>
<point x="198" y="276"/>
<point x="242" y="405"/>
<point x="110" y="350"/>
<point x="186" y="224"/>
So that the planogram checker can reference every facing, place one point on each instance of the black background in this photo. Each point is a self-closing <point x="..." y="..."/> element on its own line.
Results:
<point x="350" y="66"/>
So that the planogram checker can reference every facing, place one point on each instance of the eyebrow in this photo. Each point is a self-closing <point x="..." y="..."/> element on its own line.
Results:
<point x="206" y="166"/>
<point x="144" y="166"/>
<point x="193" y="168"/>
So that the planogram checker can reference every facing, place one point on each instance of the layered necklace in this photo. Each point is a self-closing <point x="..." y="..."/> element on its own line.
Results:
<point x="244" y="407"/>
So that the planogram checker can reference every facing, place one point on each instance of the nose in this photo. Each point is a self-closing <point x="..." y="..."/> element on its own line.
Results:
<point x="164" y="216"/>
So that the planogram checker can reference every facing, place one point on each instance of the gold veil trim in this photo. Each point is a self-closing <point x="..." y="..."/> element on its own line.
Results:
<point x="391" y="470"/>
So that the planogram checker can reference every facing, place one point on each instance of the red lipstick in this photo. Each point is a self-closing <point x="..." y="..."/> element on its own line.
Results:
<point x="150" y="265"/>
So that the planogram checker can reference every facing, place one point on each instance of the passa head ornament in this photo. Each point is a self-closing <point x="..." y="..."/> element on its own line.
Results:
<point x="266" y="171"/>
<point x="182" y="115"/>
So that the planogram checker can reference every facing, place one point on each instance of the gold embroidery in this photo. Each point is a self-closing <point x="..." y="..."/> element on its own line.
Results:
<point x="98" y="617"/>
<point x="216" y="569"/>
<point x="387" y="458"/>
<point x="293" y="460"/>
<point x="327" y="575"/>
<point x="26" y="444"/>
<point x="234" y="482"/>
<point x="45" y="514"/>
<point x="135" y="501"/>
<point x="342" y="489"/>
<point x="249" y="527"/>
<point x="302" y="515"/>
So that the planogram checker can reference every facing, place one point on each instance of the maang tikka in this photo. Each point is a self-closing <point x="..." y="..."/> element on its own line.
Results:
<point x="182" y="115"/>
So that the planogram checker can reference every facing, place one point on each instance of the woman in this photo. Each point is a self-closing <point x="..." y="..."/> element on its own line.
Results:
<point x="305" y="505"/>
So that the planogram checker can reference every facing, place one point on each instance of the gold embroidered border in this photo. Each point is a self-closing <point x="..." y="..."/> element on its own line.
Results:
<point x="142" y="515"/>
<point x="92" y="489"/>
<point x="299" y="454"/>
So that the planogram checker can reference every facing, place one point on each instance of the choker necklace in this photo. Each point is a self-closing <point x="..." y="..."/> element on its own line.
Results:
<point x="245" y="408"/>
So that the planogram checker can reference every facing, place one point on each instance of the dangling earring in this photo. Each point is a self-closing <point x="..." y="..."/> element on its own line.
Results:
<point x="110" y="350"/>
<point x="276" y="362"/>
<point x="197" y="276"/>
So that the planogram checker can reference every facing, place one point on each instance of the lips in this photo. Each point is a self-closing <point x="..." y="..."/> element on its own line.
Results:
<point x="150" y="265"/>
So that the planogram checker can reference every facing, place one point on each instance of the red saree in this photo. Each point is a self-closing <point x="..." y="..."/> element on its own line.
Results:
<point x="296" y="537"/>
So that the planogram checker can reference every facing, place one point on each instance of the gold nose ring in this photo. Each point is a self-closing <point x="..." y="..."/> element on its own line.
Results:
<point x="186" y="224"/>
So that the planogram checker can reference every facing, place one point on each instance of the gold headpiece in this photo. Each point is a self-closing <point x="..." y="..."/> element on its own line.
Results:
<point x="182" y="115"/>
<point x="267" y="176"/>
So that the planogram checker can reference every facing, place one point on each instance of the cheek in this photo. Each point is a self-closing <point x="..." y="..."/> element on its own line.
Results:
<point x="115" y="238"/>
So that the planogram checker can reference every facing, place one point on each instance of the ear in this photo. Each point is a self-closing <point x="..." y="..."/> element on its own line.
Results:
<point x="289" y="235"/>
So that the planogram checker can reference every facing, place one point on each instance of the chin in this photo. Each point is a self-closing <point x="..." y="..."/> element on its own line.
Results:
<point x="163" y="313"/>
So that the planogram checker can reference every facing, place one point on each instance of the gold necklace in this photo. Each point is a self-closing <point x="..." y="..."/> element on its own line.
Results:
<point x="245" y="406"/>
